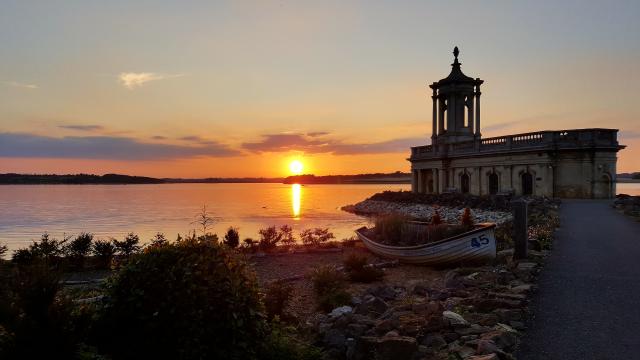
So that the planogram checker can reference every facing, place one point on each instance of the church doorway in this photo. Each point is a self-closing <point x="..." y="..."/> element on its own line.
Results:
<point x="527" y="184"/>
<point x="464" y="183"/>
<point x="493" y="184"/>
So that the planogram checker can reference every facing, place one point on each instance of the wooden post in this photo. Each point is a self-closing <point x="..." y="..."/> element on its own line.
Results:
<point x="520" y="237"/>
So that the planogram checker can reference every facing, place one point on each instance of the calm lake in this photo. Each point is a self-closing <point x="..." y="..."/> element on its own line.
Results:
<point x="27" y="211"/>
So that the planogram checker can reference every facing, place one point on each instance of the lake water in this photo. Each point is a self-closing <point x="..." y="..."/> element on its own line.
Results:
<point x="27" y="211"/>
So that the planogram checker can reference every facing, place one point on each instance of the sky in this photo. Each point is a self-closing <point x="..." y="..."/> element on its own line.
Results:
<point x="241" y="88"/>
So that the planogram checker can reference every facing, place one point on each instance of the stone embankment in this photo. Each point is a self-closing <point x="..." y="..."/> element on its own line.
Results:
<point x="471" y="313"/>
<point x="371" y="207"/>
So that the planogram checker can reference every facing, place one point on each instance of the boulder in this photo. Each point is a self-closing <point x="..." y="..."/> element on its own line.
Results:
<point x="339" y="311"/>
<point x="335" y="338"/>
<point x="385" y="348"/>
<point x="452" y="280"/>
<point x="372" y="305"/>
<point x="455" y="319"/>
<point x="435" y="341"/>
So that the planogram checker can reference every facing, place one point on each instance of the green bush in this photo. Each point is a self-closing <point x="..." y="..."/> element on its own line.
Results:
<point x="276" y="298"/>
<point x="192" y="299"/>
<point x="270" y="237"/>
<point x="103" y="250"/>
<point x="129" y="246"/>
<point x="282" y="344"/>
<point x="329" y="285"/>
<point x="159" y="240"/>
<point x="3" y="250"/>
<point x="232" y="238"/>
<point x="316" y="236"/>
<point x="357" y="270"/>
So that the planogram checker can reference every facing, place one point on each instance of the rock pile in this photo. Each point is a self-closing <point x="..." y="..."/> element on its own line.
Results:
<point x="425" y="211"/>
<point x="473" y="313"/>
<point x="629" y="205"/>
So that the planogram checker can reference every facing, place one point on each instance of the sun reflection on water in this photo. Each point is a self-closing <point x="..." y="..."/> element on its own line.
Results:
<point x="296" y="195"/>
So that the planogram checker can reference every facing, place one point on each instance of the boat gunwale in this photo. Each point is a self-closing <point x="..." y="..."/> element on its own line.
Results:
<point x="480" y="227"/>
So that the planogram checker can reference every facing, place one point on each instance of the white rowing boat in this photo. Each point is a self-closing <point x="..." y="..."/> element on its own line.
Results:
<point x="477" y="245"/>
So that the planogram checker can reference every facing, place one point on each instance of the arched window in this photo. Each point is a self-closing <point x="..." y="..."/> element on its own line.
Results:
<point x="493" y="184"/>
<point x="464" y="183"/>
<point x="527" y="184"/>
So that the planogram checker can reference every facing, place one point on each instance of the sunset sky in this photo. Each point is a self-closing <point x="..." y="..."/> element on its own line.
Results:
<point x="241" y="88"/>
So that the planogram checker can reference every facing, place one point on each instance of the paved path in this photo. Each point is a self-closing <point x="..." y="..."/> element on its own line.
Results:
<point x="588" y="303"/>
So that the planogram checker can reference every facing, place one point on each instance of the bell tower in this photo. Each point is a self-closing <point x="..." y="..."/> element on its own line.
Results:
<point x="456" y="106"/>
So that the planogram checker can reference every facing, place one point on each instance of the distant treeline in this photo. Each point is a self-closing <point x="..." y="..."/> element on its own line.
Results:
<point x="29" y="179"/>
<point x="226" y="180"/>
<point x="634" y="175"/>
<point x="392" y="178"/>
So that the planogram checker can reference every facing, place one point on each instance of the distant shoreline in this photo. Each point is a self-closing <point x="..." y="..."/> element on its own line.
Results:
<point x="117" y="179"/>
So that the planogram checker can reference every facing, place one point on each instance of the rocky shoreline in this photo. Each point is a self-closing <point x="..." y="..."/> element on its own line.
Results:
<point x="370" y="207"/>
<point x="628" y="204"/>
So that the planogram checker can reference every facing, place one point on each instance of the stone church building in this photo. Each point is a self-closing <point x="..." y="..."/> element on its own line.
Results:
<point x="579" y="163"/>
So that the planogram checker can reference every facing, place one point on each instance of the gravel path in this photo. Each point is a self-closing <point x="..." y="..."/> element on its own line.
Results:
<point x="588" y="305"/>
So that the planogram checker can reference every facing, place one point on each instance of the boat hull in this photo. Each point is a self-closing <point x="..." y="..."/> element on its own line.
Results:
<point x="477" y="245"/>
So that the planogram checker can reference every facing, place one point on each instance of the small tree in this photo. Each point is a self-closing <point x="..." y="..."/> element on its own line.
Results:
<point x="232" y="237"/>
<point x="276" y="298"/>
<point x="204" y="220"/>
<point x="316" y="236"/>
<point x="286" y="233"/>
<point x="129" y="246"/>
<point x="103" y="250"/>
<point x="78" y="249"/>
<point x="158" y="240"/>
<point x="3" y="250"/>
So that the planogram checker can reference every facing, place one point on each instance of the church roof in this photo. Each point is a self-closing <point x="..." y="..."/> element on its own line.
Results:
<point x="456" y="75"/>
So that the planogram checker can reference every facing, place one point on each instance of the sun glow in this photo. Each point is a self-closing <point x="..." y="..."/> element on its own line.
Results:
<point x="296" y="197"/>
<point x="296" y="167"/>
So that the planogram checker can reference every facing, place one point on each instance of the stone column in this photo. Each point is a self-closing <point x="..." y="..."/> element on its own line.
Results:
<point x="478" y="93"/>
<point x="442" y="104"/>
<point x="434" y="132"/>
<point x="441" y="180"/>
<point x="414" y="181"/>
<point x="470" y="118"/>
<point x="420" y="182"/>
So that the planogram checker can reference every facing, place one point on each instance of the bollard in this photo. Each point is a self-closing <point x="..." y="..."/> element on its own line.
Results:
<point x="520" y="237"/>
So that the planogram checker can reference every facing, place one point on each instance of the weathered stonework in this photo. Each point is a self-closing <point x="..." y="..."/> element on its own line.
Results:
<point x="578" y="163"/>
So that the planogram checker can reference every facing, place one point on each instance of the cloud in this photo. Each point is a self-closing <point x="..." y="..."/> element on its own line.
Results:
<point x="82" y="127"/>
<point x="501" y="126"/>
<point x="20" y="85"/>
<point x="131" y="80"/>
<point x="159" y="137"/>
<point x="310" y="144"/>
<point x="102" y="147"/>
<point x="317" y="133"/>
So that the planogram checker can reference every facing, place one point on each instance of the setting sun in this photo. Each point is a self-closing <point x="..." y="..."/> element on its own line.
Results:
<point x="296" y="167"/>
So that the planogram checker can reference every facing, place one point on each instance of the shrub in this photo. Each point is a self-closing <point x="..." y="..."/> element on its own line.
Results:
<point x="78" y="249"/>
<point x="232" y="238"/>
<point x="357" y="270"/>
<point x="159" y="240"/>
<point x="435" y="218"/>
<point x="193" y="299"/>
<point x="329" y="286"/>
<point x="276" y="298"/>
<point x="467" y="219"/>
<point x="282" y="344"/>
<point x="3" y="250"/>
<point x="129" y="246"/>
<point x="249" y="244"/>
<point x="272" y="236"/>
<point x="316" y="236"/>
<point x="103" y="250"/>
